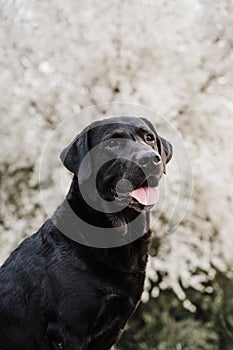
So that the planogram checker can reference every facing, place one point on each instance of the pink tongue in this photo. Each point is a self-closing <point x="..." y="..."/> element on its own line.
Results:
<point x="146" y="195"/>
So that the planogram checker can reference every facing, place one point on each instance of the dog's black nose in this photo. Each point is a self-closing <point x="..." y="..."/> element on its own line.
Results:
<point x="149" y="159"/>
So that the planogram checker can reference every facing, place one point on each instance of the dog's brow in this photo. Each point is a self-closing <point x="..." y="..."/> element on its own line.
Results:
<point x="145" y="130"/>
<point x="118" y="133"/>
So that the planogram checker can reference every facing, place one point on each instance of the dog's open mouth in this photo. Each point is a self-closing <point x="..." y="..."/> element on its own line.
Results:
<point x="141" y="198"/>
<point x="144" y="198"/>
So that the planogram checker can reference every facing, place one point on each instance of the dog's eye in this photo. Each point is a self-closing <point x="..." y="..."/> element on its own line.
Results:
<point x="149" y="138"/>
<point x="112" y="144"/>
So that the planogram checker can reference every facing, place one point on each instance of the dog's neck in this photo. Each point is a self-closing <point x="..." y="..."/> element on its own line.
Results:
<point x="128" y="258"/>
<point x="101" y="218"/>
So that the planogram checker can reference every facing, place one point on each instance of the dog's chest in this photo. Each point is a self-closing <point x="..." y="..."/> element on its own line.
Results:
<point x="113" y="313"/>
<point x="98" y="313"/>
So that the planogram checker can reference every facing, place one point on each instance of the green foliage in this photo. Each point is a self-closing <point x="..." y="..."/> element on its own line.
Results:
<point x="164" y="324"/>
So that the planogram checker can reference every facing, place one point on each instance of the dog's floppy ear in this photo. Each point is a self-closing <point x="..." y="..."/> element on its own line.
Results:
<point x="165" y="150"/>
<point x="73" y="155"/>
<point x="164" y="146"/>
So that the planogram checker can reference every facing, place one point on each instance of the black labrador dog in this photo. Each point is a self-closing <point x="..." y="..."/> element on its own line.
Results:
<point x="69" y="286"/>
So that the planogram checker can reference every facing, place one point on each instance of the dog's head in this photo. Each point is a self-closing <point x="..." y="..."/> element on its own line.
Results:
<point x="125" y="155"/>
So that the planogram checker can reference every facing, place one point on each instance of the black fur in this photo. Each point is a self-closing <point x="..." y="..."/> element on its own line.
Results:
<point x="56" y="293"/>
